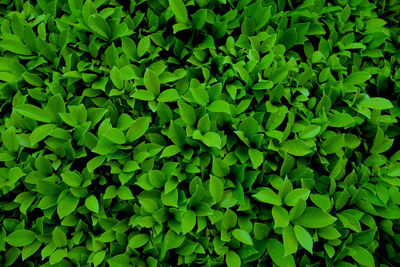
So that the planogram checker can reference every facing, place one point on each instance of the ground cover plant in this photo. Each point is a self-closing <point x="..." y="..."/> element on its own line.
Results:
<point x="199" y="133"/>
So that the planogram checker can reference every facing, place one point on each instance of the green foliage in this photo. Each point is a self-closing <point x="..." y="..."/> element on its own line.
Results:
<point x="199" y="133"/>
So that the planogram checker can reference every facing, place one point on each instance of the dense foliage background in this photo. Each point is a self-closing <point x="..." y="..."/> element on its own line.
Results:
<point x="201" y="133"/>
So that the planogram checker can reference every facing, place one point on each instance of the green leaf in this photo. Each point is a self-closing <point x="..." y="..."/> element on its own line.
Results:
<point x="187" y="113"/>
<point x="242" y="236"/>
<point x="100" y="26"/>
<point x="138" y="129"/>
<point x="125" y="193"/>
<point x="188" y="221"/>
<point x="219" y="106"/>
<point x="295" y="195"/>
<point x="71" y="178"/>
<point x="199" y="18"/>
<point x="15" y="47"/>
<point x="296" y="148"/>
<point x="340" y="120"/>
<point x="30" y="249"/>
<point x="212" y="139"/>
<point x="116" y="77"/>
<point x="232" y="259"/>
<point x="143" y="95"/>
<point x="41" y="132"/>
<point x="200" y="95"/>
<point x="281" y="216"/>
<point x="95" y="163"/>
<point x="216" y="188"/>
<point x="362" y="256"/>
<point x="151" y="82"/>
<point x="170" y="95"/>
<point x="376" y="103"/>
<point x="256" y="157"/>
<point x="304" y="238"/>
<point x="277" y="253"/>
<point x="59" y="237"/>
<point x="66" y="206"/>
<point x="179" y="10"/>
<point x="289" y="240"/>
<point x="92" y="203"/>
<point x="10" y="140"/>
<point x="357" y="77"/>
<point x="20" y="238"/>
<point x="58" y="255"/>
<point x="138" y="241"/>
<point x="143" y="46"/>
<point x="33" y="112"/>
<point x="268" y="196"/>
<point x="315" y="218"/>
<point x="115" y="135"/>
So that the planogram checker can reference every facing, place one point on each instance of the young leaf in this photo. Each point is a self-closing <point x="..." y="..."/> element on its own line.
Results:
<point x="151" y="82"/>
<point x="20" y="238"/>
<point x="304" y="238"/>
<point x="33" y="112"/>
<point x="268" y="196"/>
<point x="179" y="10"/>
<point x="242" y="236"/>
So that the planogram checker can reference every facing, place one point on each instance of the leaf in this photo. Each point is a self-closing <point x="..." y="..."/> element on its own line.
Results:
<point x="92" y="203"/>
<point x="15" y="47"/>
<point x="357" y="77"/>
<point x="256" y="157"/>
<point x="277" y="253"/>
<point x="281" y="216"/>
<point x="30" y="249"/>
<point x="304" y="238"/>
<point x="100" y="26"/>
<point x="212" y="139"/>
<point x="170" y="151"/>
<point x="219" y="106"/>
<point x="10" y="140"/>
<point x="296" y="148"/>
<point x="138" y="129"/>
<point x="58" y="256"/>
<point x="242" y="236"/>
<point x="20" y="238"/>
<point x="59" y="237"/>
<point x="315" y="218"/>
<point x="216" y="188"/>
<point x="200" y="95"/>
<point x="289" y="240"/>
<point x="340" y="120"/>
<point x="232" y="259"/>
<point x="187" y="113"/>
<point x="170" y="95"/>
<point x="143" y="95"/>
<point x="376" y="103"/>
<point x="33" y="112"/>
<point x="295" y="195"/>
<point x="179" y="10"/>
<point x="116" y="77"/>
<point x="188" y="221"/>
<point x="138" y="241"/>
<point x="115" y="135"/>
<point x="66" y="206"/>
<point x="362" y="256"/>
<point x="268" y="196"/>
<point x="71" y="178"/>
<point x="143" y="46"/>
<point x="41" y="132"/>
<point x="151" y="82"/>
<point x="95" y="163"/>
<point x="199" y="18"/>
